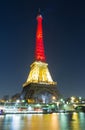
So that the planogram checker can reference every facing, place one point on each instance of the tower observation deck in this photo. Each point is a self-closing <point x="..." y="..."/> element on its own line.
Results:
<point x="39" y="86"/>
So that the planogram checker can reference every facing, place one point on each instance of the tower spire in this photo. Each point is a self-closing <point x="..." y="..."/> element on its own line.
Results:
<point x="39" y="48"/>
<point x="39" y="10"/>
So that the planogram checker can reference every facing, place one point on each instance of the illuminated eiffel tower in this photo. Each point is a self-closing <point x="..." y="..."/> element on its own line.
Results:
<point x="39" y="86"/>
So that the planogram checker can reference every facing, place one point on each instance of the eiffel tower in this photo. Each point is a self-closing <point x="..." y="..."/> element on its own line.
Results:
<point x="39" y="86"/>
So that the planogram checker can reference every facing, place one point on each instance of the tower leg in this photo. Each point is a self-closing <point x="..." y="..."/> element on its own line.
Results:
<point x="40" y="93"/>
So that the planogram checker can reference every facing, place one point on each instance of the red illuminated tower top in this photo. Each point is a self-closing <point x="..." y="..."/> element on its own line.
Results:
<point x="39" y="49"/>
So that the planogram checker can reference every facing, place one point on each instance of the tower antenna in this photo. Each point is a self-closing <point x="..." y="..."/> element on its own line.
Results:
<point x="39" y="10"/>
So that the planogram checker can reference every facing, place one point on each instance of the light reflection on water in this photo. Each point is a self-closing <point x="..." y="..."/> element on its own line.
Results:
<point x="56" y="121"/>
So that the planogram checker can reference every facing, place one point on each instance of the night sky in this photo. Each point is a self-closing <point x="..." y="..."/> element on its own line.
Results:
<point x="64" y="40"/>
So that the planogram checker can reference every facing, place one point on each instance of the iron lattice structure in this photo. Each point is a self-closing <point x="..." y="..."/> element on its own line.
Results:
<point x="39" y="86"/>
<point x="40" y="93"/>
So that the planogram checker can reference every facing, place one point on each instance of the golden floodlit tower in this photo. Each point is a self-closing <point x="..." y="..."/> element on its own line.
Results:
<point x="39" y="86"/>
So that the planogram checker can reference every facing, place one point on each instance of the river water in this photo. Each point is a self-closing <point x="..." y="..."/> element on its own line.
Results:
<point x="55" y="121"/>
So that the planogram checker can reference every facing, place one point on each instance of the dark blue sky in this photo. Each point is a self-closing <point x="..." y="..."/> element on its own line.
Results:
<point x="64" y="39"/>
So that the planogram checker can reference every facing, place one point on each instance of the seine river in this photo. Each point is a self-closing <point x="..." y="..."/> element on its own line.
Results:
<point x="55" y="121"/>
